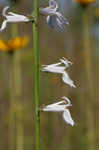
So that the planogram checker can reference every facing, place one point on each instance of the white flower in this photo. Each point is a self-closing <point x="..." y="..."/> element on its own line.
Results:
<point x="61" y="106"/>
<point x="54" y="18"/>
<point x="12" y="17"/>
<point x="58" y="68"/>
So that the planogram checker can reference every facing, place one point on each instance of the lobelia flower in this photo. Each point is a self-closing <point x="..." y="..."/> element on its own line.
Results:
<point x="54" y="18"/>
<point x="58" y="68"/>
<point x="61" y="106"/>
<point x="55" y="68"/>
<point x="12" y="17"/>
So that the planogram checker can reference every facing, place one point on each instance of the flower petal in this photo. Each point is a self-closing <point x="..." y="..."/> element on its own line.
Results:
<point x="12" y="17"/>
<point x="54" y="23"/>
<point x="67" y="117"/>
<point x="54" y="18"/>
<point x="3" y="26"/>
<point x="4" y="11"/>
<point x="54" y="68"/>
<point x="58" y="103"/>
<point x="53" y="4"/>
<point x="51" y="21"/>
<point x="62" y="19"/>
<point x="59" y="26"/>
<point x="66" y="62"/>
<point x="47" y="11"/>
<point x="54" y="107"/>
<point x="66" y="79"/>
<point x="67" y="100"/>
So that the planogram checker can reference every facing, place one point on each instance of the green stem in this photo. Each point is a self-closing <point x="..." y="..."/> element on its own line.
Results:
<point x="89" y="75"/>
<point x="36" y="74"/>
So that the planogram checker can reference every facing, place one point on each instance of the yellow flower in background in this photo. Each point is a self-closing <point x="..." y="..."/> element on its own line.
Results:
<point x="84" y="1"/>
<point x="97" y="12"/>
<point x="14" y="44"/>
<point x="3" y="46"/>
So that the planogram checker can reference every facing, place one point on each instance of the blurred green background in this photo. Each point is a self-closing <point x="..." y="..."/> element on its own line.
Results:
<point x="79" y="43"/>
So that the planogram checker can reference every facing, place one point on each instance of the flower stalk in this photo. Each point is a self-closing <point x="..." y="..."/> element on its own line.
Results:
<point x="18" y="94"/>
<point x="12" y="106"/>
<point x="36" y="74"/>
<point x="16" y="125"/>
<point x="89" y="77"/>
